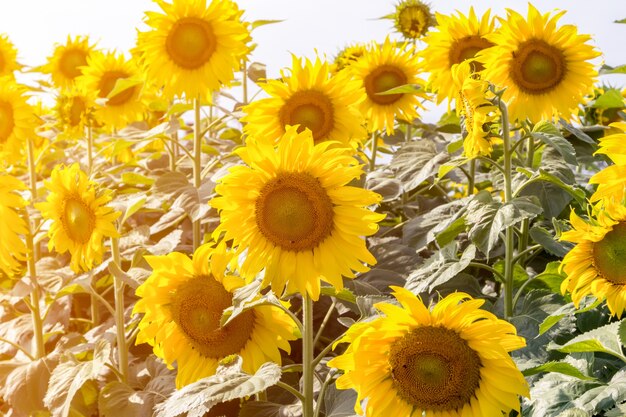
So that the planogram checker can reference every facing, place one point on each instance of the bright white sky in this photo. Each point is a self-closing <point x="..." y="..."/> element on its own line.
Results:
<point x="323" y="25"/>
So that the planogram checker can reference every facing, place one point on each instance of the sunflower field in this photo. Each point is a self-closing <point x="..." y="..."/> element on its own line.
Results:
<point x="183" y="235"/>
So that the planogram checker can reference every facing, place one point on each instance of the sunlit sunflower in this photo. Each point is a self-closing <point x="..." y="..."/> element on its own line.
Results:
<point x="479" y="114"/>
<point x="73" y="109"/>
<point x="612" y="179"/>
<point x="103" y="74"/>
<point x="183" y="301"/>
<point x="412" y="18"/>
<point x="452" y="361"/>
<point x="291" y="209"/>
<point x="80" y="217"/>
<point x="193" y="48"/>
<point x="544" y="68"/>
<point x="311" y="98"/>
<point x="8" y="57"/>
<point x="348" y="55"/>
<point x="67" y="59"/>
<point x="12" y="247"/>
<point x="456" y="39"/>
<point x="597" y="264"/>
<point x="382" y="68"/>
<point x="16" y="119"/>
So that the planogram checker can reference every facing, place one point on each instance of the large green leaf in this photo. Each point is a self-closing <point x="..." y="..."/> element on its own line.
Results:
<point x="559" y="367"/>
<point x="603" y="339"/>
<point x="551" y="136"/>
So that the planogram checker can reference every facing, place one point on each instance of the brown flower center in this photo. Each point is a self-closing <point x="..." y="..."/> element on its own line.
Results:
<point x="609" y="255"/>
<point x="71" y="61"/>
<point x="294" y="211"/>
<point x="7" y="123"/>
<point x="433" y="368"/>
<point x="78" y="220"/>
<point x="197" y="307"/>
<point x="538" y="67"/>
<point x="310" y="109"/>
<point x="383" y="78"/>
<point x="191" y="42"/>
<point x="467" y="48"/>
<point x="107" y="83"/>
<point x="76" y="109"/>
<point x="414" y="20"/>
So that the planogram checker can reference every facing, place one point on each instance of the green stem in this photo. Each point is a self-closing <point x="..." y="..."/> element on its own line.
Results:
<point x="471" y="177"/>
<point x="523" y="242"/>
<point x="120" y="323"/>
<point x="374" y="151"/>
<point x="173" y="148"/>
<point x="497" y="274"/>
<point x="308" y="367"/>
<point x="508" y="196"/>
<point x="244" y="81"/>
<point x="197" y="167"/>
<point x="291" y="390"/>
<point x="329" y="313"/>
<point x="320" y="398"/>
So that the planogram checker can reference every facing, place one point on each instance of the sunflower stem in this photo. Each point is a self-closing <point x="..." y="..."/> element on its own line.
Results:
<point x="197" y="166"/>
<point x="508" y="196"/>
<point x="120" y="324"/>
<point x="374" y="152"/>
<point x="173" y="148"/>
<point x="320" y="398"/>
<point x="308" y="366"/>
<point x="38" y="341"/>
<point x="523" y="242"/>
<point x="244" y="81"/>
<point x="471" y="177"/>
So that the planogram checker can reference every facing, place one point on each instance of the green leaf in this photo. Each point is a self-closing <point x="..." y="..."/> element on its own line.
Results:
<point x="580" y="135"/>
<point x="450" y="123"/>
<point x="229" y="383"/>
<point x="403" y="89"/>
<point x="603" y="339"/>
<point x="621" y="332"/>
<point x="449" y="166"/>
<point x="134" y="205"/>
<point x="247" y="298"/>
<point x="610" y="99"/>
<point x="551" y="136"/>
<point x="134" y="178"/>
<point x="618" y="411"/>
<point x="259" y="23"/>
<point x="417" y="161"/>
<point x="123" y="84"/>
<point x="339" y="403"/>
<point x="559" y="367"/>
<point x="598" y="399"/>
<point x="607" y="69"/>
<point x="551" y="277"/>
<point x="565" y="310"/>
<point x="450" y="232"/>
<point x="442" y="266"/>
<point x="548" y="241"/>
<point x="344" y="294"/>
<point x="620" y="21"/>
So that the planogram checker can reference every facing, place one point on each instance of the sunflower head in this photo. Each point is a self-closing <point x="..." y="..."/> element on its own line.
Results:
<point x="73" y="110"/>
<point x="310" y="97"/>
<point x="117" y="82"/>
<point x="80" y="218"/>
<point x="597" y="263"/>
<point x="611" y="180"/>
<point x="348" y="55"/>
<point x="8" y="57"/>
<point x="413" y="18"/>
<point x="12" y="225"/>
<point x="67" y="60"/>
<point x="383" y="68"/>
<point x="451" y="361"/>
<point x="193" y="49"/>
<point x="545" y="68"/>
<point x="183" y="301"/>
<point x="17" y="119"/>
<point x="298" y="219"/>
<point x="456" y="38"/>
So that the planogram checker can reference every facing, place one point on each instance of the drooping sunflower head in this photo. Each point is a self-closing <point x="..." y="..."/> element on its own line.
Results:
<point x="117" y="82"/>
<point x="413" y="18"/>
<point x="349" y="55"/>
<point x="80" y="218"/>
<point x="452" y="361"/>
<point x="183" y="301"/>
<point x="67" y="60"/>
<point x="545" y="69"/>
<point x="12" y="225"/>
<point x="193" y="49"/>
<point x="72" y="110"/>
<point x="479" y="115"/>
<point x="383" y="68"/>
<point x="457" y="38"/>
<point x="297" y="219"/>
<point x="8" y="57"/>
<point x="611" y="180"/>
<point x="310" y="97"/>
<point x="597" y="264"/>
<point x="17" y="119"/>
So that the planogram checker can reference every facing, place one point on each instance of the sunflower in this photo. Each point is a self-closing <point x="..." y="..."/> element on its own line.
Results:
<point x="79" y="215"/>
<point x="412" y="18"/>
<point x="456" y="39"/>
<point x="8" y="57"/>
<point x="452" y="361"/>
<point x="73" y="109"/>
<point x="193" y="49"/>
<point x="183" y="301"/>
<point x="348" y="55"/>
<point x="311" y="98"/>
<point x="479" y="114"/>
<point x="17" y="119"/>
<point x="12" y="248"/>
<point x="597" y="264"/>
<point x="545" y="69"/>
<point x="382" y="68"/>
<point x="291" y="210"/>
<point x="67" y="59"/>
<point x="103" y="74"/>
<point x="612" y="179"/>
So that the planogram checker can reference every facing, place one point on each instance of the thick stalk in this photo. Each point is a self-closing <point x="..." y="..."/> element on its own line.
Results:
<point x="523" y="242"/>
<point x="120" y="323"/>
<point x="374" y="151"/>
<point x="197" y="166"/>
<point x="308" y="366"/>
<point x="508" y="196"/>
<point x="471" y="177"/>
